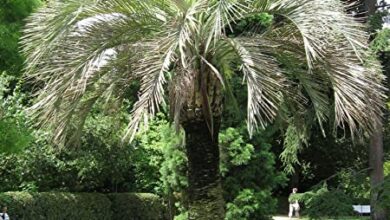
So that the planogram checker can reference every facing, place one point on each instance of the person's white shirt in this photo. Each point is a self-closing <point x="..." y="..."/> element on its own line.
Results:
<point x="4" y="216"/>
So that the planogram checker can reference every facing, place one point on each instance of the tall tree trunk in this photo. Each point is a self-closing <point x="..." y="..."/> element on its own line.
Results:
<point x="370" y="6"/>
<point x="200" y="117"/>
<point x="376" y="149"/>
<point x="376" y="171"/>
<point x="205" y="191"/>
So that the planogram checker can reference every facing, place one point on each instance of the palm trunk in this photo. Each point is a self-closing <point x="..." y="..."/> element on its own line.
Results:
<point x="204" y="191"/>
<point x="200" y="116"/>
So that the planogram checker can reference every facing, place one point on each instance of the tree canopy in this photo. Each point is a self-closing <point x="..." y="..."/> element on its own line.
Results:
<point x="83" y="52"/>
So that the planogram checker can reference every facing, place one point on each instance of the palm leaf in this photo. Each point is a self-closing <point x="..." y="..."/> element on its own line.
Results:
<point x="80" y="50"/>
<point x="264" y="80"/>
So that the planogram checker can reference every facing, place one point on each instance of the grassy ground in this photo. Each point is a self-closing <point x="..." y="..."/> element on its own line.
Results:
<point x="304" y="218"/>
<point x="283" y="210"/>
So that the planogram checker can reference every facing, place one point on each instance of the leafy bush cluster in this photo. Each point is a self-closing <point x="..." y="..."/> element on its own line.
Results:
<point x="384" y="193"/>
<point x="96" y="163"/>
<point x="356" y="185"/>
<point x="12" y="15"/>
<point x="14" y="130"/>
<point x="323" y="203"/>
<point x="89" y="168"/>
<point x="160" y="160"/>
<point x="248" y="175"/>
<point x="384" y="201"/>
<point x="251" y="204"/>
<point x="381" y="41"/>
<point x="247" y="170"/>
<point x="137" y="206"/>
<point x="83" y="206"/>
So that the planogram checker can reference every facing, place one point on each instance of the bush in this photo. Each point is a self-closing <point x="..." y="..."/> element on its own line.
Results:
<point x="82" y="206"/>
<point x="325" y="204"/>
<point x="356" y="184"/>
<point x="250" y="205"/>
<point x="384" y="200"/>
<point x="15" y="134"/>
<point x="248" y="175"/>
<point x="94" y="163"/>
<point x="137" y="206"/>
<point x="56" y="206"/>
<point x="12" y="15"/>
<point x="89" y="168"/>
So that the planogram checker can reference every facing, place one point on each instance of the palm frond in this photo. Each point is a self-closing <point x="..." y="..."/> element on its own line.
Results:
<point x="51" y="26"/>
<point x="76" y="61"/>
<point x="335" y="48"/>
<point x="222" y="14"/>
<point x="291" y="56"/>
<point x="47" y="27"/>
<point x="310" y="19"/>
<point x="358" y="93"/>
<point x="265" y="83"/>
<point x="176" y="43"/>
<point x="189" y="26"/>
<point x="78" y="51"/>
<point x="151" y="70"/>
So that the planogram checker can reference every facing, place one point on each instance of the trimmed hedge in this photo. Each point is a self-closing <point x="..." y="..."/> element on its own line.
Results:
<point x="140" y="206"/>
<point x="83" y="206"/>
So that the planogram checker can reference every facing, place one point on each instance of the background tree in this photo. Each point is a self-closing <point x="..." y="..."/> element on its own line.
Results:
<point x="12" y="14"/>
<point x="79" y="53"/>
<point x="376" y="154"/>
<point x="14" y="134"/>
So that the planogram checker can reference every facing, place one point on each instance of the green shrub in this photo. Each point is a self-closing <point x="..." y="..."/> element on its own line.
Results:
<point x="15" y="134"/>
<point x="137" y="206"/>
<point x="250" y="205"/>
<point x="12" y="17"/>
<point x="57" y="206"/>
<point x="384" y="200"/>
<point x="325" y="204"/>
<point x="89" y="168"/>
<point x="83" y="206"/>
<point x="386" y="167"/>
<point x="248" y="174"/>
<point x="356" y="184"/>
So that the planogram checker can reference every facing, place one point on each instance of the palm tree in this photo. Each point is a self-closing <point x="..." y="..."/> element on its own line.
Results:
<point x="81" y="52"/>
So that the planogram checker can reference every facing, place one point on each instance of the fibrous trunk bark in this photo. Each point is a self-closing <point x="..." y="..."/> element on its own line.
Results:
<point x="376" y="171"/>
<point x="198" y="98"/>
<point x="204" y="191"/>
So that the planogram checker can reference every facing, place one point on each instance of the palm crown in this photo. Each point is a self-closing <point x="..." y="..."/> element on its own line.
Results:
<point x="83" y="51"/>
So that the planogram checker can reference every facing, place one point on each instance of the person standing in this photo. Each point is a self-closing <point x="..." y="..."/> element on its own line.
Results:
<point x="294" y="204"/>
<point x="4" y="214"/>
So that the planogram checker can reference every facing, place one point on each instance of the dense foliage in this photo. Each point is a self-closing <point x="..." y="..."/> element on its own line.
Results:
<point x="83" y="206"/>
<point x="97" y="163"/>
<point x="88" y="169"/>
<point x="248" y="174"/>
<point x="14" y="130"/>
<point x="23" y="205"/>
<point x="12" y="15"/>
<point x="247" y="169"/>
<point x="323" y="203"/>
<point x="156" y="161"/>
<point x="138" y="206"/>
<point x="384" y="201"/>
